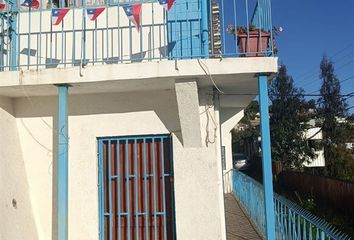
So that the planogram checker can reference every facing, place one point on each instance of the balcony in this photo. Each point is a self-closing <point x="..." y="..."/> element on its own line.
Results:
<point x="191" y="29"/>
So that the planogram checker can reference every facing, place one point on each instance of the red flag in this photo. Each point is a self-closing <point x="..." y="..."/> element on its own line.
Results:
<point x="2" y="6"/>
<point x="93" y="13"/>
<point x="170" y="4"/>
<point x="133" y="12"/>
<point x="31" y="4"/>
<point x="58" y="15"/>
<point x="167" y="4"/>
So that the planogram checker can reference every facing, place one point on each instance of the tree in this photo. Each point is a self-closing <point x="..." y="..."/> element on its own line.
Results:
<point x="288" y="122"/>
<point x="332" y="111"/>
<point x="332" y="106"/>
<point x="246" y="136"/>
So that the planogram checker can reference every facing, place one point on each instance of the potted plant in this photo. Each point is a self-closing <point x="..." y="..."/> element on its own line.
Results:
<point x="251" y="41"/>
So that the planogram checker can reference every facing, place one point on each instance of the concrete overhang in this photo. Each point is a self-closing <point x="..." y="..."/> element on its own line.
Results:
<point x="231" y="75"/>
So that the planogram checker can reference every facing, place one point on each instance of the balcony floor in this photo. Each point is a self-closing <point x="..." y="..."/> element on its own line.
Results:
<point x="238" y="226"/>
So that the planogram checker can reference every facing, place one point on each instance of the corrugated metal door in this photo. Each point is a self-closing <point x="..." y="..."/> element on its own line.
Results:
<point x="136" y="188"/>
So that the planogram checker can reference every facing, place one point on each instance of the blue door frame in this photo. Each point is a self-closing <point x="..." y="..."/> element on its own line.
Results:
<point x="136" y="187"/>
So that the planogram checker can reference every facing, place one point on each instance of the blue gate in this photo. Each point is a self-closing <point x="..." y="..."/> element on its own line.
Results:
<point x="136" y="188"/>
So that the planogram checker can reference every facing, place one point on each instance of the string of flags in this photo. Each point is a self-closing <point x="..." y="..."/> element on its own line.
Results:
<point x="133" y="11"/>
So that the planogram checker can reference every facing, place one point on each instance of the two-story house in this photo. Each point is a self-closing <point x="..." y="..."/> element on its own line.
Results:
<point x="113" y="128"/>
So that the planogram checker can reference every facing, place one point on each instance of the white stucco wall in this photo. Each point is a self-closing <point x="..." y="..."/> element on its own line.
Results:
<point x="198" y="177"/>
<point x="16" y="215"/>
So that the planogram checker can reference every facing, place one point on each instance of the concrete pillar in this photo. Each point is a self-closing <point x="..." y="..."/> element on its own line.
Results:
<point x="188" y="112"/>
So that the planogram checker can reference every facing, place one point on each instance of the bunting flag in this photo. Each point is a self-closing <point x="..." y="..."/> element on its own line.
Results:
<point x="31" y="4"/>
<point x="93" y="13"/>
<point x="167" y="4"/>
<point x="133" y="12"/>
<point x="58" y="15"/>
<point x="2" y="6"/>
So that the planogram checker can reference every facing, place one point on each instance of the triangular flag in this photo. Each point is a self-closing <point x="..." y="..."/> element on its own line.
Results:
<point x="2" y="6"/>
<point x="58" y="15"/>
<point x="133" y="12"/>
<point x="31" y="4"/>
<point x="167" y="4"/>
<point x="93" y="13"/>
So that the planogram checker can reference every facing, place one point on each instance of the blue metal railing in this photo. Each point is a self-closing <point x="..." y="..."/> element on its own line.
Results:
<point x="246" y="28"/>
<point x="191" y="29"/>
<point x="292" y="222"/>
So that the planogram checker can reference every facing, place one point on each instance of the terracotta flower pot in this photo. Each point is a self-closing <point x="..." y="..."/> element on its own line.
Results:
<point x="255" y="45"/>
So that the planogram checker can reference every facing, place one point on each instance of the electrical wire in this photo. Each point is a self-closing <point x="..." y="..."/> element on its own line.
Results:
<point x="207" y="72"/>
<point x="331" y="57"/>
<point x="342" y="81"/>
<point x="53" y="130"/>
<point x="310" y="83"/>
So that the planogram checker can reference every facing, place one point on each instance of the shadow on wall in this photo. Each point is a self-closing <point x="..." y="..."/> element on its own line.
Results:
<point x="17" y="216"/>
<point x="163" y="103"/>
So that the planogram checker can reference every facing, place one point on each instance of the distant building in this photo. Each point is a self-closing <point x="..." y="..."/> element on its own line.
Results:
<point x="315" y="136"/>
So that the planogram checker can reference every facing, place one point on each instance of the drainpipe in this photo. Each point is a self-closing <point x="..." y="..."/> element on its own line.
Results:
<point x="266" y="157"/>
<point x="205" y="28"/>
<point x="62" y="162"/>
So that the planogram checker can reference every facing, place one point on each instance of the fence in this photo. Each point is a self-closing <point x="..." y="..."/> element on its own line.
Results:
<point x="292" y="222"/>
<point x="191" y="29"/>
<point x="331" y="192"/>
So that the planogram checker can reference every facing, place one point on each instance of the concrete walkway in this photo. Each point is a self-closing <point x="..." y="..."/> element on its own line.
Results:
<point x="238" y="227"/>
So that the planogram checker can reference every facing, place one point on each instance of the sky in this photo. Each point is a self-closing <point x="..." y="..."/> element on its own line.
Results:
<point x="313" y="28"/>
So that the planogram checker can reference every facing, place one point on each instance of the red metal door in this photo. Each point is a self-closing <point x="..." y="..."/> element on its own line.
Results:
<point x="136" y="188"/>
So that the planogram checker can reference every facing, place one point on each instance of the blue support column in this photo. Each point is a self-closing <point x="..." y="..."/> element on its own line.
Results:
<point x="205" y="28"/>
<point x="63" y="162"/>
<point x="266" y="157"/>
<point x="14" y="35"/>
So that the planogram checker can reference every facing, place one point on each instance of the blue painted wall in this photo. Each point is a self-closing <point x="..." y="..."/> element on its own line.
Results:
<point x="184" y="29"/>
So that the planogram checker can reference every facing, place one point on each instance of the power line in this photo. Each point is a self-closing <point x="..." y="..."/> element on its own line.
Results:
<point x="331" y="57"/>
<point x="342" y="81"/>
<point x="348" y="97"/>
<point x="288" y="95"/>
<point x="316" y="70"/>
<point x="344" y="98"/>
<point x="346" y="79"/>
<point x="339" y="68"/>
